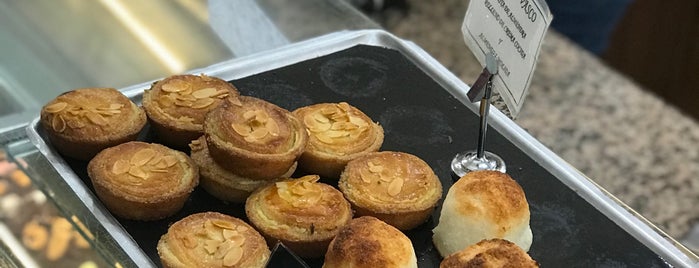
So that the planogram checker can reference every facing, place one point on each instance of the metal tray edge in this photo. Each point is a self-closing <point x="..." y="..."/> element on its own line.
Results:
<point x="649" y="235"/>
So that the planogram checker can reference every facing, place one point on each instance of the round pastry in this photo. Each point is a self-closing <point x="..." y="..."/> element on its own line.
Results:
<point x="301" y="213"/>
<point x="254" y="138"/>
<point x="369" y="242"/>
<point x="493" y="253"/>
<point x="221" y="183"/>
<point x="398" y="188"/>
<point x="142" y="181"/>
<point x="338" y="133"/>
<point x="177" y="106"/>
<point x="82" y="122"/>
<point x="482" y="205"/>
<point x="212" y="239"/>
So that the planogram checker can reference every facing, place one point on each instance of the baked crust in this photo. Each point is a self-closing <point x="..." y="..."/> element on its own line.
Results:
<point x="483" y="205"/>
<point x="493" y="253"/>
<point x="82" y="122"/>
<point x="338" y="133"/>
<point x="369" y="242"/>
<point x="212" y="239"/>
<point x="398" y="188"/>
<point x="301" y="213"/>
<point x="142" y="181"/>
<point x="177" y="106"/>
<point x="254" y="138"/>
<point x="221" y="183"/>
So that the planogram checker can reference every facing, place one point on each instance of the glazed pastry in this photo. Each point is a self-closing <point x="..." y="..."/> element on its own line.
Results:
<point x="482" y="205"/>
<point x="212" y="239"/>
<point x="177" y="106"/>
<point x="221" y="183"/>
<point x="398" y="188"/>
<point x="494" y="253"/>
<point x="142" y="181"/>
<point x="254" y="138"/>
<point x="301" y="213"/>
<point x="367" y="242"/>
<point x="338" y="133"/>
<point x="82" y="122"/>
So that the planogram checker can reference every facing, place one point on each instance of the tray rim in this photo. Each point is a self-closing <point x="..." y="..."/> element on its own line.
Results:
<point x="629" y="220"/>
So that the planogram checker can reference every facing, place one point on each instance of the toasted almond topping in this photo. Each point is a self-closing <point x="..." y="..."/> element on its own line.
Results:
<point x="189" y="242"/>
<point x="183" y="103"/>
<point x="175" y="85"/>
<point x="120" y="167"/>
<point x="142" y="157"/>
<point x="223" y="224"/>
<point x="247" y="115"/>
<point x="242" y="129"/>
<point x="138" y="172"/>
<point x="320" y="118"/>
<point x="358" y="121"/>
<point x="56" y="107"/>
<point x="235" y="101"/>
<point x="166" y="101"/>
<point x="237" y="239"/>
<point x="96" y="118"/>
<point x="344" y="106"/>
<point x="322" y="137"/>
<point x="205" y="93"/>
<point x="223" y="248"/>
<point x="58" y="123"/>
<point x="170" y="160"/>
<point x="328" y="110"/>
<point x="75" y="124"/>
<point x="272" y="127"/>
<point x="115" y="106"/>
<point x="211" y="246"/>
<point x="375" y="168"/>
<point x="336" y="133"/>
<point x="259" y="133"/>
<point x="202" y="103"/>
<point x="261" y="115"/>
<point x="233" y="256"/>
<point x="158" y="159"/>
<point x="212" y="231"/>
<point x="185" y="98"/>
<point x="395" y="187"/>
<point x="241" y="228"/>
<point x="228" y="233"/>
<point x="365" y="175"/>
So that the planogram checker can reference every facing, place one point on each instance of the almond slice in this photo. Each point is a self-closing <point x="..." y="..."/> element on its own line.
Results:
<point x="183" y="103"/>
<point x="142" y="157"/>
<point x="166" y="101"/>
<point x="237" y="240"/>
<point x="56" y="107"/>
<point x="205" y="93"/>
<point x="344" y="106"/>
<point x="223" y="249"/>
<point x="365" y="175"/>
<point x="229" y="233"/>
<point x="115" y="106"/>
<point x="96" y="118"/>
<point x="120" y="167"/>
<point x="233" y="256"/>
<point x="322" y="137"/>
<point x="138" y="172"/>
<point x="241" y="228"/>
<point x="261" y="115"/>
<point x="175" y="85"/>
<point x="242" y="129"/>
<point x="235" y="101"/>
<point x="170" y="160"/>
<point x="358" y="121"/>
<point x="212" y="231"/>
<point x="395" y="187"/>
<point x="375" y="168"/>
<point x="321" y="118"/>
<point x="211" y="245"/>
<point x="272" y="127"/>
<point x="189" y="242"/>
<point x="224" y="225"/>
<point x="259" y="133"/>
<point x="247" y="115"/>
<point x="202" y="103"/>
<point x="328" y="110"/>
<point x="58" y="124"/>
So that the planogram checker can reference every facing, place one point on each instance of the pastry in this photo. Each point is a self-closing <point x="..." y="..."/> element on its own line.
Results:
<point x="301" y="213"/>
<point x="82" y="122"/>
<point x="142" y="181"/>
<point x="367" y="242"/>
<point x="254" y="138"/>
<point x="398" y="188"/>
<point x="221" y="183"/>
<point x="212" y="239"/>
<point x="177" y="106"/>
<point x="338" y="133"/>
<point x="482" y="205"/>
<point x="493" y="253"/>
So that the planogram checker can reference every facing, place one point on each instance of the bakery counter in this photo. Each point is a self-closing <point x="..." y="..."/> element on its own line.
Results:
<point x="597" y="228"/>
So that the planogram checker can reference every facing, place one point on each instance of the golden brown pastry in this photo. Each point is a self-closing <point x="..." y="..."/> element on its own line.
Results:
<point x="82" y="122"/>
<point x="177" y="106"/>
<point x="398" y="188"/>
<point x="338" y="133"/>
<point x="212" y="239"/>
<point x="482" y="205"/>
<point x="367" y="242"/>
<point x="301" y="213"/>
<point x="142" y="181"/>
<point x="493" y="253"/>
<point x="254" y="138"/>
<point x="221" y="183"/>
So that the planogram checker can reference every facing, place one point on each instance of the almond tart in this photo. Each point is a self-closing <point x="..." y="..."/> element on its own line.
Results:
<point x="177" y="106"/>
<point x="82" y="122"/>
<point x="398" y="188"/>
<point x="338" y="133"/>
<point x="142" y="181"/>
<point x="254" y="138"/>
<point x="212" y="239"/>
<point x="490" y="253"/>
<point x="302" y="213"/>
<point x="221" y="183"/>
<point x="367" y="242"/>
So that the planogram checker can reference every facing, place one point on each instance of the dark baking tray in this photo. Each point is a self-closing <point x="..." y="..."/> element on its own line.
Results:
<point x="422" y="118"/>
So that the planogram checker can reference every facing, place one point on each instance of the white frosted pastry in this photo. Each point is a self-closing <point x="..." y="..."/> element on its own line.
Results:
<point x="483" y="205"/>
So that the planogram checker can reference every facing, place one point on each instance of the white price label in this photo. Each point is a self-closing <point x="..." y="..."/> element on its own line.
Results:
<point x="513" y="31"/>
